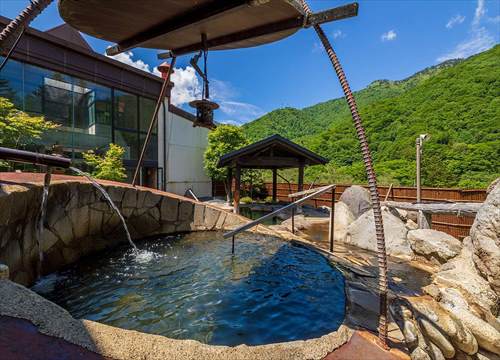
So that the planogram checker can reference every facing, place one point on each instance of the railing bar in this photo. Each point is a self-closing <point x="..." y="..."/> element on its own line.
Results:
<point x="270" y="215"/>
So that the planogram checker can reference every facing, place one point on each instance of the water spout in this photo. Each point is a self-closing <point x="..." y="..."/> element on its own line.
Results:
<point x="41" y="219"/>
<point x="108" y="199"/>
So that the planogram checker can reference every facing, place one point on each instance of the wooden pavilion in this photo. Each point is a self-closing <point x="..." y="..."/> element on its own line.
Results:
<point x="274" y="152"/>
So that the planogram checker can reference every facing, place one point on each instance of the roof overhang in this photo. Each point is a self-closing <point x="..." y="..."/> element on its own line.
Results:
<point x="274" y="152"/>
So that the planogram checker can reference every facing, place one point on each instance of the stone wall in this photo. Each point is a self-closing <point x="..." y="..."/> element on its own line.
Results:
<point x="79" y="222"/>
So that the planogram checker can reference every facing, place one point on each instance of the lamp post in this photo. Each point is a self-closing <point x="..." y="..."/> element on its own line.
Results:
<point x="419" y="142"/>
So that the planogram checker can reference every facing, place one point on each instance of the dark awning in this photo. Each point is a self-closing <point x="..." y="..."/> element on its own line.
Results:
<point x="178" y="25"/>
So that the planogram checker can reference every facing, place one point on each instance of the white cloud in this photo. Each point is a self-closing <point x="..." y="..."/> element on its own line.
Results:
<point x="236" y="112"/>
<point x="478" y="39"/>
<point x="338" y="34"/>
<point x="188" y="87"/>
<point x="317" y="47"/>
<point x="479" y="13"/>
<point x="240" y="112"/>
<point x="389" y="36"/>
<point x="126" y="58"/>
<point x="455" y="20"/>
<point x="495" y="19"/>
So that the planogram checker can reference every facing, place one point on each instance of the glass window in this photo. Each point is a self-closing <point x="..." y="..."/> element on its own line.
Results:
<point x="92" y="109"/>
<point x="11" y="82"/>
<point x="50" y="94"/>
<point x="146" y="110"/>
<point x="129" y="141"/>
<point x="152" y="150"/>
<point x="125" y="110"/>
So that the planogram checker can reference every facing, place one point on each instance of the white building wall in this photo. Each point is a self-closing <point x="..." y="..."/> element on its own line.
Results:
<point x="183" y="146"/>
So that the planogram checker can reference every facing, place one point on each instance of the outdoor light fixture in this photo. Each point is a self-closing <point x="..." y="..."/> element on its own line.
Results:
<point x="204" y="112"/>
<point x="204" y="107"/>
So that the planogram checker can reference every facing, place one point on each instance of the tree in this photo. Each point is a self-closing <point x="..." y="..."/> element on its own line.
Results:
<point x="109" y="166"/>
<point x="222" y="140"/>
<point x="19" y="129"/>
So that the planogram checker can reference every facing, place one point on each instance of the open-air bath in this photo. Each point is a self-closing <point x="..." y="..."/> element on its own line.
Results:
<point x="193" y="288"/>
<point x="154" y="206"/>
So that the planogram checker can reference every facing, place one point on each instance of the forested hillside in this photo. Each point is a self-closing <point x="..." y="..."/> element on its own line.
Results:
<point x="457" y="103"/>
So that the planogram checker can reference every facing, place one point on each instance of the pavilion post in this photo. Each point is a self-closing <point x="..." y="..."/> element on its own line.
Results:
<point x="332" y="220"/>
<point x="301" y="177"/>
<point x="229" y="187"/>
<point x="237" y="186"/>
<point x="275" y="180"/>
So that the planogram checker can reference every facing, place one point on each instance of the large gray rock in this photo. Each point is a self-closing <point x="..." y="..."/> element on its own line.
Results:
<point x="460" y="273"/>
<point x="434" y="245"/>
<point x="361" y="233"/>
<point x="343" y="217"/>
<point x="357" y="200"/>
<point x="485" y="235"/>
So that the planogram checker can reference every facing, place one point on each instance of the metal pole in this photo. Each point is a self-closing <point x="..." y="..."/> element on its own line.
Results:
<point x="30" y="157"/>
<point x="232" y="249"/>
<point x="418" y="147"/>
<point x="13" y="47"/>
<point x="332" y="220"/>
<point x="276" y="212"/>
<point x="372" y="181"/>
<point x="419" y="152"/>
<point x="153" y="121"/>
<point x="293" y="217"/>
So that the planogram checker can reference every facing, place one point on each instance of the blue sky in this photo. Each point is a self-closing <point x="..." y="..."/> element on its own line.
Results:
<point x="387" y="40"/>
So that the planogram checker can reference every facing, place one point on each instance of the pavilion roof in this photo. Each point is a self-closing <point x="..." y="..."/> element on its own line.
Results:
<point x="274" y="152"/>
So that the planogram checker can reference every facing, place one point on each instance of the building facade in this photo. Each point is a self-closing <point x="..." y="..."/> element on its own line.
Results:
<point x="96" y="101"/>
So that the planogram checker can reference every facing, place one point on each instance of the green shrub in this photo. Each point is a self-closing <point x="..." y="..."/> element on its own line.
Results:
<point x="246" y="200"/>
<point x="109" y="166"/>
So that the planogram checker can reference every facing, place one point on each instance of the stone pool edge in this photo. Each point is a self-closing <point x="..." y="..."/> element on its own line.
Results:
<point x="116" y="343"/>
<point x="20" y="302"/>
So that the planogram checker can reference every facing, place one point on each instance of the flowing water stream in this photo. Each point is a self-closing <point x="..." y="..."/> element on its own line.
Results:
<point x="108" y="199"/>
<point x="41" y="220"/>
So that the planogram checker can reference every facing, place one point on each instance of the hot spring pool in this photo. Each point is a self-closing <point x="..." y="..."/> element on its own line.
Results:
<point x="191" y="287"/>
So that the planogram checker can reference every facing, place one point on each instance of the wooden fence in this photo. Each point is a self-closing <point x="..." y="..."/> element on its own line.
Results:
<point x="457" y="226"/>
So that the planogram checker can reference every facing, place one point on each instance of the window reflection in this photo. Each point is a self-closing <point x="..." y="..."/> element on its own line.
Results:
<point x="86" y="112"/>
<point x="125" y="110"/>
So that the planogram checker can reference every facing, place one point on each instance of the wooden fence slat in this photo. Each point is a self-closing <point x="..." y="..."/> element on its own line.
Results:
<point x="457" y="226"/>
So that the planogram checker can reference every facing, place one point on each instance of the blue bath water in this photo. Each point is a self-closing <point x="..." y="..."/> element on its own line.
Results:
<point x="191" y="287"/>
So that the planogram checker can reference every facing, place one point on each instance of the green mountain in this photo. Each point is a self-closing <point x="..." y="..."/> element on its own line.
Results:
<point x="457" y="103"/>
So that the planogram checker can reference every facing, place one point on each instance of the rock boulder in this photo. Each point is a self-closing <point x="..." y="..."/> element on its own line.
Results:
<point x="485" y="235"/>
<point x="434" y="245"/>
<point x="357" y="200"/>
<point x="361" y="233"/>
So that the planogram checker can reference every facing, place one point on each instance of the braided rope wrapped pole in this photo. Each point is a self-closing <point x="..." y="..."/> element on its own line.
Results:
<point x="372" y="181"/>
<point x="20" y="23"/>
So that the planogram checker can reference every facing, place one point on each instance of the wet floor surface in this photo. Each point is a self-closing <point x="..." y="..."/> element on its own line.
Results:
<point x="20" y="340"/>
<point x="362" y="345"/>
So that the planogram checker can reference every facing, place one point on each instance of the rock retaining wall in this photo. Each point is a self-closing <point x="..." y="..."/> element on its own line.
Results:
<point x="79" y="221"/>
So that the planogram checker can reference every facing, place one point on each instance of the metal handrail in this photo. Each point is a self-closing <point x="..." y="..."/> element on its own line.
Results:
<point x="33" y="158"/>
<point x="253" y="223"/>
<point x="191" y="192"/>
